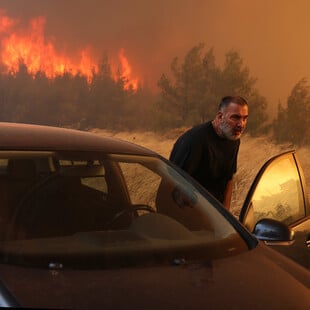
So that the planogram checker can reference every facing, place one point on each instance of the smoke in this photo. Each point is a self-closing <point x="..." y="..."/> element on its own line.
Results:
<point x="271" y="36"/>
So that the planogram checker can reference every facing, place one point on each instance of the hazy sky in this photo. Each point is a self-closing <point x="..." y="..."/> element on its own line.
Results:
<point x="270" y="35"/>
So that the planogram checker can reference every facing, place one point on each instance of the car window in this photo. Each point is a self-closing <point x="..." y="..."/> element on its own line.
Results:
<point x="278" y="194"/>
<point x="95" y="210"/>
<point x="142" y="183"/>
<point x="93" y="176"/>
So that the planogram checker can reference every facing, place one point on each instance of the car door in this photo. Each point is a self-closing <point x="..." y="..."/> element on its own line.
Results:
<point x="279" y="194"/>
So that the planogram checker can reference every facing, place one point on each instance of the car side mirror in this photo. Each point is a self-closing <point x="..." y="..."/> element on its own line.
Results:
<point x="272" y="232"/>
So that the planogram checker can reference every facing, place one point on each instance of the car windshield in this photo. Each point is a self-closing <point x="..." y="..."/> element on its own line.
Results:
<point x="93" y="210"/>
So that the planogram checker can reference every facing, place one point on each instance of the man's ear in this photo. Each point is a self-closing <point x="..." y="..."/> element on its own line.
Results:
<point x="219" y="115"/>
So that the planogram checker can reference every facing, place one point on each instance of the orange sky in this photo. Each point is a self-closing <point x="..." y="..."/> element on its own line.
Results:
<point x="270" y="35"/>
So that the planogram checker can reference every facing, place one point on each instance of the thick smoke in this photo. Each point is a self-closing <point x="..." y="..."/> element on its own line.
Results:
<point x="269" y="35"/>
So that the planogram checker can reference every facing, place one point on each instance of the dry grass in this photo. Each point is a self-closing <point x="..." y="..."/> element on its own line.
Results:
<point x="253" y="153"/>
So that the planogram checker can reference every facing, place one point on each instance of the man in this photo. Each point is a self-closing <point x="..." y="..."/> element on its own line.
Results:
<point x="208" y="152"/>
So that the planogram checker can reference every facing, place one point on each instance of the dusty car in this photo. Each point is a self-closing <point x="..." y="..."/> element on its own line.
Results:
<point x="92" y="222"/>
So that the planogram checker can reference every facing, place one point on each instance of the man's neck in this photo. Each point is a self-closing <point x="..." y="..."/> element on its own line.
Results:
<point x="216" y="127"/>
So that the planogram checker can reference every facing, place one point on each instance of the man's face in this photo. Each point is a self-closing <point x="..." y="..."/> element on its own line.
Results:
<point x="233" y="120"/>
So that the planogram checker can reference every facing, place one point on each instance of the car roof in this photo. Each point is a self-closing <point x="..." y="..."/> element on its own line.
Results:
<point x="18" y="136"/>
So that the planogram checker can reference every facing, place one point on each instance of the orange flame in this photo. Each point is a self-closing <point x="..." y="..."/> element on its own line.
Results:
<point x="126" y="72"/>
<point x="29" y="46"/>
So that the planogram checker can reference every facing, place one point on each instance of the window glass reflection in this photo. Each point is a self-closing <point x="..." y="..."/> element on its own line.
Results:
<point x="279" y="193"/>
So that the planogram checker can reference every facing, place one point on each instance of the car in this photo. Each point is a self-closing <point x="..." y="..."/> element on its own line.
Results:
<point x="93" y="222"/>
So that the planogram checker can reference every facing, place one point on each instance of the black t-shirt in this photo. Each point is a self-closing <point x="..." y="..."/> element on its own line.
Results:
<point x="210" y="159"/>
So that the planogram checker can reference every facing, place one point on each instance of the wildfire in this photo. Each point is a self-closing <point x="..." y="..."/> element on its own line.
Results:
<point x="28" y="45"/>
<point x="126" y="72"/>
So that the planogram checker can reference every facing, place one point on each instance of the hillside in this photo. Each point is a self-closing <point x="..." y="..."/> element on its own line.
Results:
<point x="252" y="155"/>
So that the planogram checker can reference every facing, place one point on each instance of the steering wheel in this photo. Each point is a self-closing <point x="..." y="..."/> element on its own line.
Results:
<point x="131" y="210"/>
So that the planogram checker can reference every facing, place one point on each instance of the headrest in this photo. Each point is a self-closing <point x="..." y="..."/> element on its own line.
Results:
<point x="21" y="168"/>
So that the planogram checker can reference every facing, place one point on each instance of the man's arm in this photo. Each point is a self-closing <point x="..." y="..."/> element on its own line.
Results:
<point x="228" y="193"/>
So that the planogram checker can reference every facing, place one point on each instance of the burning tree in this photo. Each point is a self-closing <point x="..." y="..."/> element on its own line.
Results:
<point x="40" y="84"/>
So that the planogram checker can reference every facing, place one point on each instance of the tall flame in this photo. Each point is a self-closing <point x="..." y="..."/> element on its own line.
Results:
<point x="126" y="72"/>
<point x="29" y="46"/>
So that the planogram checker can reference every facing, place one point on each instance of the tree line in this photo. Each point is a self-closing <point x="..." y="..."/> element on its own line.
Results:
<point x="68" y="100"/>
<point x="188" y="94"/>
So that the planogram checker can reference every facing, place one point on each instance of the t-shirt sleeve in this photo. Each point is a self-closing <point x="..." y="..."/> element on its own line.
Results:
<point x="180" y="155"/>
<point x="185" y="154"/>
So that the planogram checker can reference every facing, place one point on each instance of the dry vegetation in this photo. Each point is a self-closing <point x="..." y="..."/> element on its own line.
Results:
<point x="252" y="155"/>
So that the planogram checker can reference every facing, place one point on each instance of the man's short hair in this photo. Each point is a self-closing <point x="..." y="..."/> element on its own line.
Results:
<point x="225" y="101"/>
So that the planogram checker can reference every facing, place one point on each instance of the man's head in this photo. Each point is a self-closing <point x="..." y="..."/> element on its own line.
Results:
<point x="231" y="117"/>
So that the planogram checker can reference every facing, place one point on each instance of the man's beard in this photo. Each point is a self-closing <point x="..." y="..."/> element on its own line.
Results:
<point x="228" y="132"/>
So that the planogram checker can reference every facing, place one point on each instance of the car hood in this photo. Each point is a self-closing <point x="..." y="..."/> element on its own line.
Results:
<point x="256" y="279"/>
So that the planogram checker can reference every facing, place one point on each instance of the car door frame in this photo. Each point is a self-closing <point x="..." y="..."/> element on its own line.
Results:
<point x="300" y="227"/>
